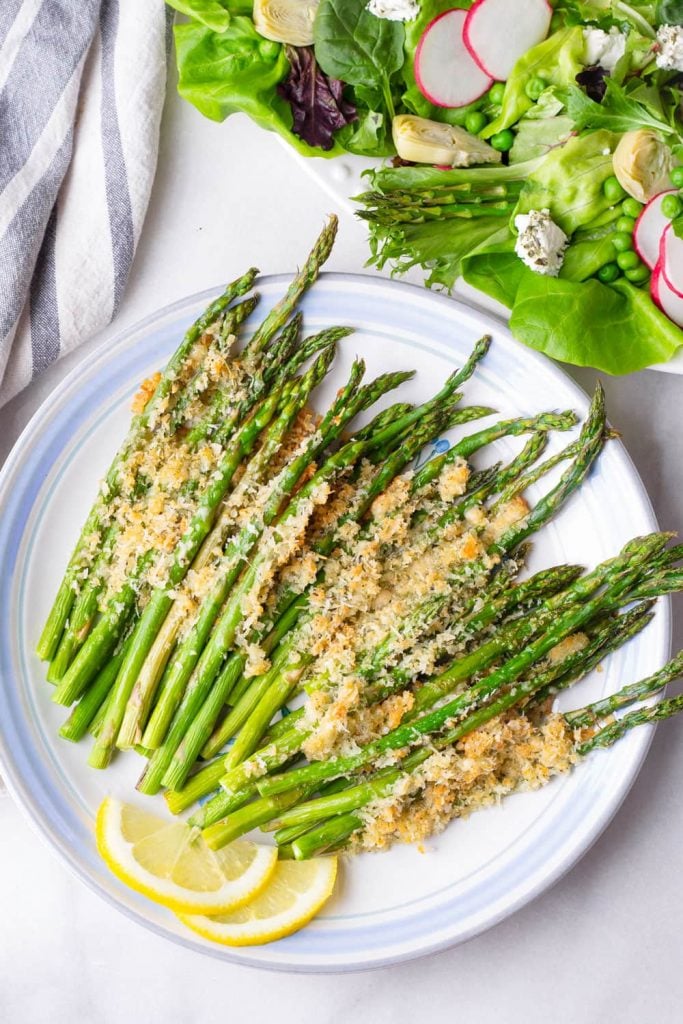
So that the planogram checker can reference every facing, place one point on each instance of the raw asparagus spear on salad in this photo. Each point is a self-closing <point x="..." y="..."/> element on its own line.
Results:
<point x="538" y="145"/>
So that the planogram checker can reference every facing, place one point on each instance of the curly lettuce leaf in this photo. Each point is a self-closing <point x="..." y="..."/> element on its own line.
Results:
<point x="557" y="60"/>
<point x="618" y="111"/>
<point x="439" y="247"/>
<point x="615" y="328"/>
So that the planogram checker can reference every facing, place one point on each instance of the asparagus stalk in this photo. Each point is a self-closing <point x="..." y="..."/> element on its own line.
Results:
<point x="52" y="631"/>
<point x="83" y="613"/>
<point x="642" y="716"/>
<point x="299" y="661"/>
<point x="144" y="688"/>
<point x="224" y="632"/>
<point x="283" y="309"/>
<point x="618" y="575"/>
<point x="350" y="401"/>
<point x="80" y="719"/>
<point x="381" y="784"/>
<point x="628" y="695"/>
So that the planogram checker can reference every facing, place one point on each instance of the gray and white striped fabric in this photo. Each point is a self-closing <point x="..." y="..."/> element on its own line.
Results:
<point x="81" y="93"/>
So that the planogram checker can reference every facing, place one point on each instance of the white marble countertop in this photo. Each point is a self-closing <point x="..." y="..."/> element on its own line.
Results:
<point x="603" y="945"/>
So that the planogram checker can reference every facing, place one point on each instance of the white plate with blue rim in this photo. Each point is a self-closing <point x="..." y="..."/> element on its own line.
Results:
<point x="391" y="906"/>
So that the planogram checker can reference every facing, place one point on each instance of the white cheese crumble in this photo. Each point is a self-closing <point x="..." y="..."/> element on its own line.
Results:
<point x="394" y="10"/>
<point x="604" y="48"/>
<point x="670" y="43"/>
<point x="540" y="242"/>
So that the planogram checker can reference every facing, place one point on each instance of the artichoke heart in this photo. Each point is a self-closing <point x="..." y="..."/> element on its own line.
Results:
<point x="286" y="21"/>
<point x="429" y="142"/>
<point x="642" y="164"/>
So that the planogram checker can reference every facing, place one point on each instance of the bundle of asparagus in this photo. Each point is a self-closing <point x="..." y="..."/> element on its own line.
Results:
<point x="242" y="553"/>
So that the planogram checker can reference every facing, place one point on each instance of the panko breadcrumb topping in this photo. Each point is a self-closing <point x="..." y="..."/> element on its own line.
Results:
<point x="508" y="754"/>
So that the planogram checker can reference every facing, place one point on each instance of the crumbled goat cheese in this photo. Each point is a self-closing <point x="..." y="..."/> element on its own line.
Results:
<point x="604" y="48"/>
<point x="670" y="43"/>
<point x="394" y="10"/>
<point x="540" y="242"/>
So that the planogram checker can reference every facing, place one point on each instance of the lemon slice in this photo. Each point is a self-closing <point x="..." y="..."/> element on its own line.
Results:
<point x="294" y="894"/>
<point x="171" y="863"/>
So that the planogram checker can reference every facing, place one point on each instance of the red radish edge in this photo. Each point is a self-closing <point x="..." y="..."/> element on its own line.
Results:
<point x="638" y="237"/>
<point x="426" y="92"/>
<point x="660" y="292"/>
<point x="662" y="262"/>
<point x="470" y="46"/>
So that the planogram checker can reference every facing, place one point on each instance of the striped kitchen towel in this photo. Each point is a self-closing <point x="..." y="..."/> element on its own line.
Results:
<point x="81" y="92"/>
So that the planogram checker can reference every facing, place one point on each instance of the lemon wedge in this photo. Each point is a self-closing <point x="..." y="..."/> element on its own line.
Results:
<point x="171" y="863"/>
<point x="294" y="894"/>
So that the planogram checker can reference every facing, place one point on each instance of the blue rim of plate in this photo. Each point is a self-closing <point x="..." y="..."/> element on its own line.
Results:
<point x="25" y="470"/>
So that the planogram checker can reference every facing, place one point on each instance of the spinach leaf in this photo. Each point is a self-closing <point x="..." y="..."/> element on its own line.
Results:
<point x="215" y="14"/>
<point x="318" y="105"/>
<point x="618" y="111"/>
<point x="360" y="49"/>
<point x="557" y="59"/>
<point x="614" y="328"/>
<point x="569" y="181"/>
<point x="221" y="73"/>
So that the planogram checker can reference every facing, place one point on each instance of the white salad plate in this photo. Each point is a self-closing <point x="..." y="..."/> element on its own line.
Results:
<point x="342" y="178"/>
<point x="387" y="907"/>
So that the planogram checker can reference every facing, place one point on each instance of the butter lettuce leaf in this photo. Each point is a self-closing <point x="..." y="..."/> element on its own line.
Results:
<point x="557" y="60"/>
<point x="615" y="328"/>
<point x="569" y="181"/>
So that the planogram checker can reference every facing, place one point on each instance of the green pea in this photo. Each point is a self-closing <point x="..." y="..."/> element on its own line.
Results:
<point x="534" y="87"/>
<point x="625" y="225"/>
<point x="631" y="207"/>
<point x="502" y="141"/>
<point x="475" y="121"/>
<point x="638" y="274"/>
<point x="496" y="93"/>
<point x="610" y="272"/>
<point x="622" y="242"/>
<point x="628" y="260"/>
<point x="672" y="206"/>
<point x="613" y="190"/>
<point x="677" y="177"/>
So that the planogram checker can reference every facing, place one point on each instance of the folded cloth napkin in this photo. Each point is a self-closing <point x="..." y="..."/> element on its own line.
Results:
<point x="81" y="92"/>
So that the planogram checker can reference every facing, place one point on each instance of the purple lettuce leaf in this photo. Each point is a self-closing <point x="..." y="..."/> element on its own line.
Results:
<point x="318" y="105"/>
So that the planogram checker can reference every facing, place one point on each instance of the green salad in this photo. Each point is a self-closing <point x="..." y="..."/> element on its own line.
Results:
<point x="535" y="145"/>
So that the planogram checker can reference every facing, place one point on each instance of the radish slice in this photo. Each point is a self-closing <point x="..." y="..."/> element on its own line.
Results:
<point x="670" y="303"/>
<point x="671" y="260"/>
<point x="650" y="227"/>
<point x="498" y="32"/>
<point x="445" y="73"/>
